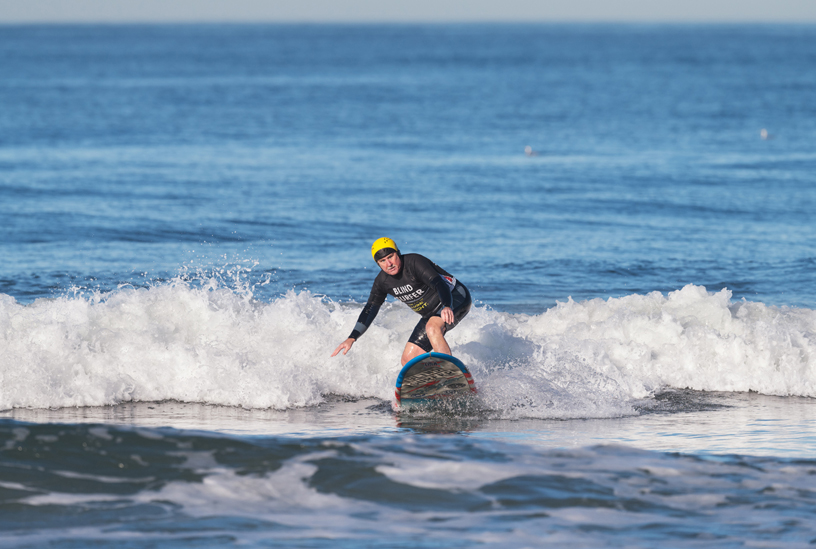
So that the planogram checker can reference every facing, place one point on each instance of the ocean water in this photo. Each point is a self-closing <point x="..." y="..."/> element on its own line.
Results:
<point x="186" y="217"/>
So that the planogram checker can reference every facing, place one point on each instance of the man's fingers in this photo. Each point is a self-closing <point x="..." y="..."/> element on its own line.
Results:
<point x="345" y="346"/>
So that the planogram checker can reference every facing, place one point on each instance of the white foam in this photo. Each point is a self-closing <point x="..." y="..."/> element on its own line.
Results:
<point x="216" y="346"/>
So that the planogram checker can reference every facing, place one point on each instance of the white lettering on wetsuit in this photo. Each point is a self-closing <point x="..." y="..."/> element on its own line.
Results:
<point x="398" y="293"/>
<point x="407" y="293"/>
<point x="422" y="285"/>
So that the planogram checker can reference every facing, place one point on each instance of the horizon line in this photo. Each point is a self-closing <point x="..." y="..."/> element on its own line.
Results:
<point x="409" y="22"/>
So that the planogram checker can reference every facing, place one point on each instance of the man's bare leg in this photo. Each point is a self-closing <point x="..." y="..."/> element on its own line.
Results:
<point x="435" y="328"/>
<point x="435" y="335"/>
<point x="410" y="352"/>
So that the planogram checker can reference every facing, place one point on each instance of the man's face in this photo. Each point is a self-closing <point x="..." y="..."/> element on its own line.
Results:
<point x="391" y="264"/>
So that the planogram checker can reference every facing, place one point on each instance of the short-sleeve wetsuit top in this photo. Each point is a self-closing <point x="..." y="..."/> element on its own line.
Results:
<point x="421" y="284"/>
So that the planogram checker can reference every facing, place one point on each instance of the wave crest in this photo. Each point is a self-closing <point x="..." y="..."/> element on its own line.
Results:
<point x="213" y="345"/>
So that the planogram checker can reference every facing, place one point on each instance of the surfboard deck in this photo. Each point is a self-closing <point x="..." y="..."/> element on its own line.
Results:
<point x="431" y="377"/>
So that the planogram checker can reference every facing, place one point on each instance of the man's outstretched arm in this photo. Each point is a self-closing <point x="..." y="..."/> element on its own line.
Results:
<point x="363" y="322"/>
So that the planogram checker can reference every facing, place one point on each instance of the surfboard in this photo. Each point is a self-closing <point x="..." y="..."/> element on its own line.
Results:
<point x="433" y="376"/>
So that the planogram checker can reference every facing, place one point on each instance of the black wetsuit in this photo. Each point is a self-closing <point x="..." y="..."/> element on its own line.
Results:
<point x="422" y="285"/>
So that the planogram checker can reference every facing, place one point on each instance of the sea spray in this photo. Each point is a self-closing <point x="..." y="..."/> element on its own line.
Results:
<point x="210" y="344"/>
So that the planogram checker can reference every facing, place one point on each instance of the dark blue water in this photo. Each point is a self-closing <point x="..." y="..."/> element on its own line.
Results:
<point x="108" y="487"/>
<point x="132" y="150"/>
<point x="186" y="218"/>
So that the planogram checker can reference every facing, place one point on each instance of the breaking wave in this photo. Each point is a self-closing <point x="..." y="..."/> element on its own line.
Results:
<point x="210" y="344"/>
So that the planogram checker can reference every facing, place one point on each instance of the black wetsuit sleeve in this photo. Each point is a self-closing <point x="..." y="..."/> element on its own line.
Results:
<point x="442" y="288"/>
<point x="370" y="310"/>
<point x="424" y="271"/>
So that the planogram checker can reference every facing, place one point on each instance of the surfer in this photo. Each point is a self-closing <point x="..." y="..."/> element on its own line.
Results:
<point x="425" y="287"/>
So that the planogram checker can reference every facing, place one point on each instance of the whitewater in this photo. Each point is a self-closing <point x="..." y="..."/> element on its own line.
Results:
<point x="211" y="344"/>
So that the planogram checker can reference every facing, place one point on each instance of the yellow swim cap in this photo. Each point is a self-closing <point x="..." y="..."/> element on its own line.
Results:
<point x="383" y="244"/>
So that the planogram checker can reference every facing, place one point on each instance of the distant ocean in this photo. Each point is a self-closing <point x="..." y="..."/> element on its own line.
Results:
<point x="187" y="212"/>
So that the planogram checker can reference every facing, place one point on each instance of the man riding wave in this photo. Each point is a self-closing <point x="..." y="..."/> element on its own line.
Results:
<point x="421" y="284"/>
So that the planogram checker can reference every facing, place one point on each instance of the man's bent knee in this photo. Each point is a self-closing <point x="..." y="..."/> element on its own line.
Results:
<point x="435" y="326"/>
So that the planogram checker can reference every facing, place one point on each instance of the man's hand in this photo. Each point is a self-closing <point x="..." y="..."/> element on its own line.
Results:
<point x="345" y="346"/>
<point x="447" y="315"/>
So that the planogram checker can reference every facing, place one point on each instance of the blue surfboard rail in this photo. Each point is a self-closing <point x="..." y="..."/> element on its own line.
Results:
<point x="452" y="359"/>
<point x="440" y="356"/>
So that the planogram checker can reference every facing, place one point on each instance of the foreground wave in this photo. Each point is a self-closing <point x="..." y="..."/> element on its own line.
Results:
<point x="101" y="485"/>
<point x="214" y="345"/>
